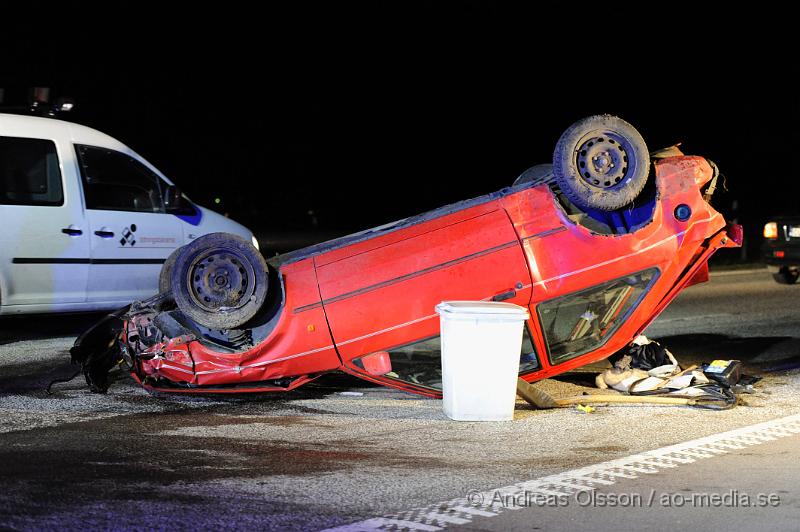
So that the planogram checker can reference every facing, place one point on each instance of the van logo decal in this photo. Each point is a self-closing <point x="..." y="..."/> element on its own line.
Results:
<point x="127" y="236"/>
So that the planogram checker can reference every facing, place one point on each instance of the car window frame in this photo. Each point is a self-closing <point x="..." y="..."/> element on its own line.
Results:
<point x="160" y="182"/>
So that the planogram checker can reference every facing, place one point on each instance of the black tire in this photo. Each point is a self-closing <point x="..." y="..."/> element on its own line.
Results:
<point x="786" y="275"/>
<point x="601" y="162"/>
<point x="164" y="278"/>
<point x="219" y="281"/>
<point x="541" y="173"/>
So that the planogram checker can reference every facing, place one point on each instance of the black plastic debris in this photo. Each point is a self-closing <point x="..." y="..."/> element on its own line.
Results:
<point x="97" y="350"/>
<point x="644" y="356"/>
<point x="725" y="372"/>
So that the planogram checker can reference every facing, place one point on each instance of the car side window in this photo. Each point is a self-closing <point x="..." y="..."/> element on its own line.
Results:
<point x="583" y="321"/>
<point x="420" y="362"/>
<point x="29" y="172"/>
<point x="117" y="182"/>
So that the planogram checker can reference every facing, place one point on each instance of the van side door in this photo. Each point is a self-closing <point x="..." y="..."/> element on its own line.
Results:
<point x="44" y="240"/>
<point x="130" y="232"/>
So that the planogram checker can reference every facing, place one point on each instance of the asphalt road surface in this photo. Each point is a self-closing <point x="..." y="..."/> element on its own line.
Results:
<point x="317" y="458"/>
<point x="753" y="488"/>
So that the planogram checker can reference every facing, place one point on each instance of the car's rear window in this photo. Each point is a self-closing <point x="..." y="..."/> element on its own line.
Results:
<point x="583" y="321"/>
<point x="29" y="172"/>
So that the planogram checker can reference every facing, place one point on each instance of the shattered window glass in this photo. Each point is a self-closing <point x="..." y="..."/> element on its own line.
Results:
<point x="583" y="321"/>
<point x="421" y="362"/>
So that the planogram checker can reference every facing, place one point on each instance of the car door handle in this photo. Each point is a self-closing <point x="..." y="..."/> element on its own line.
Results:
<point x="508" y="294"/>
<point x="104" y="234"/>
<point x="72" y="231"/>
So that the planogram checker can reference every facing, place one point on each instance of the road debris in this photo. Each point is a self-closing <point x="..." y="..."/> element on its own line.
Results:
<point x="648" y="373"/>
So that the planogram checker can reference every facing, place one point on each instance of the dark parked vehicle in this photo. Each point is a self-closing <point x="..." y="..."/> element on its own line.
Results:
<point x="782" y="248"/>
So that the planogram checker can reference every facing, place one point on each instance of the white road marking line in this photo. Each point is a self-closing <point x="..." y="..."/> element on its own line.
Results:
<point x="447" y="518"/>
<point x="461" y="510"/>
<point x="396" y="524"/>
<point x="473" y="511"/>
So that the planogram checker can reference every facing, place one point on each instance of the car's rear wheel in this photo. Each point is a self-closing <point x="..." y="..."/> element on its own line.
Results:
<point x="601" y="162"/>
<point x="787" y="275"/>
<point x="219" y="280"/>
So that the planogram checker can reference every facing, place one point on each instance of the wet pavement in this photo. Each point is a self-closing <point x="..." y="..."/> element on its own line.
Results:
<point x="315" y="458"/>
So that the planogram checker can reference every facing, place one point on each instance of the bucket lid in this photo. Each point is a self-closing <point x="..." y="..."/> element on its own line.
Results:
<point x="493" y="308"/>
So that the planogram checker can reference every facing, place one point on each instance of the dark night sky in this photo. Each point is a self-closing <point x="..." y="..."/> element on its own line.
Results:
<point x="367" y="114"/>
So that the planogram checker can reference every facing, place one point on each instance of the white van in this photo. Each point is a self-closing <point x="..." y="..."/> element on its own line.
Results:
<point x="85" y="222"/>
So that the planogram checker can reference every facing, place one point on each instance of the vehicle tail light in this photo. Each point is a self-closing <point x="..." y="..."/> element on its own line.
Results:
<point x="771" y="230"/>
<point x="779" y="254"/>
<point x="735" y="233"/>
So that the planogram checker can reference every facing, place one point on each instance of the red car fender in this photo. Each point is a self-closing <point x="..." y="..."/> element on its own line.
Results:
<point x="300" y="343"/>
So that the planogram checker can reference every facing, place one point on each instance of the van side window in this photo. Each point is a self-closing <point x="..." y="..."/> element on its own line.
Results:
<point x="29" y="172"/>
<point x="114" y="181"/>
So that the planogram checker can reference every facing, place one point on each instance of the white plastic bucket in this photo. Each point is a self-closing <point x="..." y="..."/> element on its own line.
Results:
<point x="481" y="342"/>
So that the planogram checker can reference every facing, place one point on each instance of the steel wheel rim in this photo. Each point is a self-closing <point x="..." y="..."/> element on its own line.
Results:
<point x="604" y="159"/>
<point x="221" y="279"/>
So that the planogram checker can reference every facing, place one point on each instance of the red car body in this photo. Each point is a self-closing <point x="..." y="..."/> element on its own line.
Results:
<point x="375" y="291"/>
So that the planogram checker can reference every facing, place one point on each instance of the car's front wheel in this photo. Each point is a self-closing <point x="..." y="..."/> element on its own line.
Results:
<point x="164" y="277"/>
<point x="786" y="275"/>
<point x="219" y="280"/>
<point x="601" y="162"/>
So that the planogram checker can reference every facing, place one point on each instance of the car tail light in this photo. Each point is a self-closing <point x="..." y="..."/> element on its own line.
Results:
<point x="735" y="233"/>
<point x="771" y="230"/>
<point x="778" y="254"/>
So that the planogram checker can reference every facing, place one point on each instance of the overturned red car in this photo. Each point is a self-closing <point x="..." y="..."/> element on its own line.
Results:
<point x="594" y="245"/>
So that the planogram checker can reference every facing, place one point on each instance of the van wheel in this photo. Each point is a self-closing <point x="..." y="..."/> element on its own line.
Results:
<point x="601" y="162"/>
<point x="786" y="275"/>
<point x="219" y="280"/>
<point x="166" y="271"/>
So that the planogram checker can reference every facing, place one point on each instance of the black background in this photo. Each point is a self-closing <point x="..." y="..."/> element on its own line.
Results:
<point x="361" y="114"/>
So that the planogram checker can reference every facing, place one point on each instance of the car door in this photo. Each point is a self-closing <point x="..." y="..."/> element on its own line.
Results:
<point x="383" y="294"/>
<point x="131" y="235"/>
<point x="44" y="242"/>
